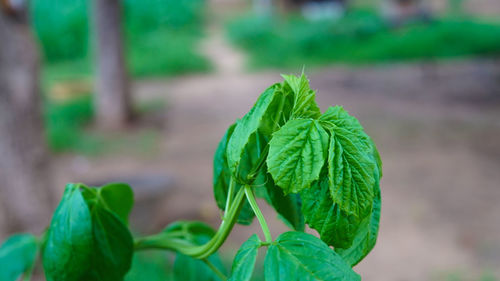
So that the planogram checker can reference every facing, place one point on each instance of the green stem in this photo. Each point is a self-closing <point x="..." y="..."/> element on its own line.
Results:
<point x="229" y="198"/>
<point x="225" y="228"/>
<point x="174" y="242"/>
<point x="215" y="270"/>
<point x="258" y="213"/>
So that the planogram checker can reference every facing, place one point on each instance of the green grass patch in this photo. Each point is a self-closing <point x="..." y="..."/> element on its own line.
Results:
<point x="361" y="36"/>
<point x="169" y="52"/>
<point x="64" y="122"/>
<point x="161" y="37"/>
<point x="67" y="129"/>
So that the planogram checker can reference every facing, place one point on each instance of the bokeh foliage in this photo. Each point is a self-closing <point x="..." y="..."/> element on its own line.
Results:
<point x="360" y="36"/>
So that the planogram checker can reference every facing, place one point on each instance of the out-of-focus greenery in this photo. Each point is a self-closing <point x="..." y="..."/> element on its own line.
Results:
<point x="361" y="36"/>
<point x="64" y="122"/>
<point x="160" y="35"/>
<point x="62" y="27"/>
<point x="65" y="126"/>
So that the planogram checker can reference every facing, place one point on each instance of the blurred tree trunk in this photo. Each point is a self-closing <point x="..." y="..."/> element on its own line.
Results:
<point x="113" y="96"/>
<point x="25" y="203"/>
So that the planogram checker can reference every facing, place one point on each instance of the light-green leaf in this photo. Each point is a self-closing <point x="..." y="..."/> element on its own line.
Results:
<point x="298" y="256"/>
<point x="304" y="105"/>
<point x="245" y="128"/>
<point x="69" y="247"/>
<point x="253" y="131"/>
<point x="244" y="261"/>
<point x="352" y="163"/>
<point x="297" y="153"/>
<point x="17" y="256"/>
<point x="119" y="198"/>
<point x="335" y="227"/>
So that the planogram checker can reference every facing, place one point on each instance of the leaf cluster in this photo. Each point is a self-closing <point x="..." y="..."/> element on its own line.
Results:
<point x="319" y="169"/>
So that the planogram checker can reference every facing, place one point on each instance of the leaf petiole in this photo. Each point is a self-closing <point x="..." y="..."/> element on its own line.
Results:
<point x="255" y="207"/>
<point x="215" y="269"/>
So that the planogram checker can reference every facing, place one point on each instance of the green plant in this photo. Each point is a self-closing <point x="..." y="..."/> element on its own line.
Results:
<point x="313" y="168"/>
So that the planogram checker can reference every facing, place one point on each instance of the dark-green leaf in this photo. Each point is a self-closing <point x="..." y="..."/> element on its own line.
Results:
<point x="352" y="163"/>
<point x="335" y="227"/>
<point x="244" y="261"/>
<point x="288" y="206"/>
<point x="222" y="178"/>
<point x="87" y="240"/>
<point x="69" y="247"/>
<point x="297" y="153"/>
<point x="298" y="256"/>
<point x="119" y="198"/>
<point x="17" y="256"/>
<point x="366" y="237"/>
<point x="113" y="246"/>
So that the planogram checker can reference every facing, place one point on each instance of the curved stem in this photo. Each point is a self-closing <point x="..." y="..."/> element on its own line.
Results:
<point x="225" y="228"/>
<point x="215" y="270"/>
<point x="258" y="213"/>
<point x="172" y="241"/>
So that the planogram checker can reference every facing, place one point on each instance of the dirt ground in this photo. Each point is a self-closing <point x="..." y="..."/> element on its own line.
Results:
<point x="437" y="126"/>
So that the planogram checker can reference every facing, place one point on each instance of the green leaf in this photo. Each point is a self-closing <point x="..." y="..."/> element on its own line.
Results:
<point x="304" y="105"/>
<point x="245" y="128"/>
<point x="113" y="245"/>
<point x="365" y="239"/>
<point x="119" y="198"/>
<point x="353" y="163"/>
<point x="253" y="131"/>
<point x="69" y="247"/>
<point x="288" y="206"/>
<point x="190" y="269"/>
<point x="335" y="227"/>
<point x="17" y="256"/>
<point x="86" y="240"/>
<point x="222" y="177"/>
<point x="297" y="153"/>
<point x="244" y="261"/>
<point x="298" y="256"/>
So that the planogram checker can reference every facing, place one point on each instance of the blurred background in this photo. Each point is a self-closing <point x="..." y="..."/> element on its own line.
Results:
<point x="141" y="91"/>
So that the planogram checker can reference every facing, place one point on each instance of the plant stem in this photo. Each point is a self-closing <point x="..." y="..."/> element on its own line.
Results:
<point x="215" y="269"/>
<point x="225" y="228"/>
<point x="258" y="213"/>
<point x="229" y="198"/>
<point x="171" y="241"/>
